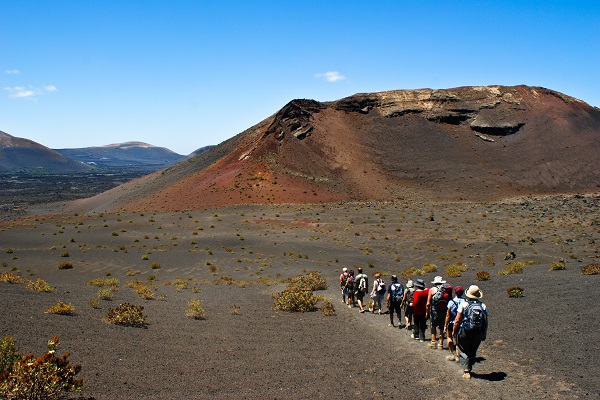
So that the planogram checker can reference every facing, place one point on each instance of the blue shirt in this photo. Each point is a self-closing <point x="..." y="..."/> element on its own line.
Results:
<point x="453" y="307"/>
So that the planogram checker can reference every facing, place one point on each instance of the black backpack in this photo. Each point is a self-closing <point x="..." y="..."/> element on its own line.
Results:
<point x="381" y="288"/>
<point x="475" y="318"/>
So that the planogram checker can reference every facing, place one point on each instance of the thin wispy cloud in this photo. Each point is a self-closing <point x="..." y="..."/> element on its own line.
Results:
<point x="331" y="76"/>
<point x="12" y="71"/>
<point x="29" y="92"/>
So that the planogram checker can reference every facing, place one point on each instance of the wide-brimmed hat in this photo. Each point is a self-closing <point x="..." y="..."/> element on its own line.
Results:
<point x="438" y="280"/>
<point x="474" y="292"/>
<point x="420" y="284"/>
<point x="410" y="284"/>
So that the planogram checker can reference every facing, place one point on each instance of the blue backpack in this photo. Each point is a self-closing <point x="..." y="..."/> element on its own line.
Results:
<point x="475" y="318"/>
<point x="397" y="292"/>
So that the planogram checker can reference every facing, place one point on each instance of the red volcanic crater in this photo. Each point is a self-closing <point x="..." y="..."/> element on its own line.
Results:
<point x="470" y="143"/>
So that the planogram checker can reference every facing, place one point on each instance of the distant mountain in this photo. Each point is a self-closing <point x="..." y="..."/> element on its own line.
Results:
<point x="24" y="154"/>
<point x="130" y="155"/>
<point x="471" y="143"/>
<point x="200" y="151"/>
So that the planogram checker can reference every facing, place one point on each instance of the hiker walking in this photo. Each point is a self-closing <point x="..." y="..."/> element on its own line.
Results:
<point x="349" y="288"/>
<point x="470" y="326"/>
<point x="407" y="304"/>
<point x="361" y="283"/>
<point x="377" y="294"/>
<point x="420" y="310"/>
<point x="394" y="299"/>
<point x="449" y="326"/>
<point x="343" y="278"/>
<point x="437" y="306"/>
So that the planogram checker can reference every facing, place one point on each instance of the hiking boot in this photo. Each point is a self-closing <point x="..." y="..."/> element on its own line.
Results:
<point x="421" y="340"/>
<point x="392" y="325"/>
<point x="451" y="357"/>
<point x="441" y="346"/>
<point x="433" y="345"/>
<point x="467" y="375"/>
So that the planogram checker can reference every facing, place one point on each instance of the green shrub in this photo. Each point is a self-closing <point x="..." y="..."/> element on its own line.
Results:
<point x="590" y="269"/>
<point x="195" y="310"/>
<point x="327" y="309"/>
<point x="311" y="281"/>
<point x="39" y="285"/>
<point x="515" y="291"/>
<point x="144" y="291"/>
<point x="557" y="266"/>
<point x="64" y="254"/>
<point x="295" y="299"/>
<point x="429" y="267"/>
<point x="61" y="308"/>
<point x="95" y="303"/>
<point x="105" y="294"/>
<point x="180" y="284"/>
<point x="516" y="267"/>
<point x="126" y="314"/>
<point x="27" y="377"/>
<point x="8" y="354"/>
<point x="155" y="266"/>
<point x="482" y="276"/>
<point x="455" y="270"/>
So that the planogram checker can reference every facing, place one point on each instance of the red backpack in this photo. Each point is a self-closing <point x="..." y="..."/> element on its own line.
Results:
<point x="441" y="297"/>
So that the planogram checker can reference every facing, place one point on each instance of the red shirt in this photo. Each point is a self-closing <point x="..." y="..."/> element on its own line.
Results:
<point x="420" y="302"/>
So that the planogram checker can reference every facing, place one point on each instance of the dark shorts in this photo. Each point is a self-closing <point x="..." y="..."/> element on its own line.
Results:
<point x="438" y="319"/>
<point x="359" y="295"/>
<point x="408" y="311"/>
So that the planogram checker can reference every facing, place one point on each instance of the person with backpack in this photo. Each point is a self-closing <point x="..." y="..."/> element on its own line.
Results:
<point x="394" y="299"/>
<point x="407" y="304"/>
<point x="470" y="326"/>
<point x="377" y="294"/>
<point x="349" y="288"/>
<point x="361" y="283"/>
<point x="449" y="326"/>
<point x="343" y="278"/>
<point x="420" y="310"/>
<point x="437" y="305"/>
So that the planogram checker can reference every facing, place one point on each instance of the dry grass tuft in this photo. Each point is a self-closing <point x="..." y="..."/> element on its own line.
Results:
<point x="590" y="269"/>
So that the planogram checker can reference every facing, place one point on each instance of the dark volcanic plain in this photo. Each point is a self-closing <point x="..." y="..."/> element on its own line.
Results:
<point x="386" y="181"/>
<point x="539" y="346"/>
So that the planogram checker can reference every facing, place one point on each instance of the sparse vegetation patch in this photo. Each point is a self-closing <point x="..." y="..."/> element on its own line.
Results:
<point x="590" y="269"/>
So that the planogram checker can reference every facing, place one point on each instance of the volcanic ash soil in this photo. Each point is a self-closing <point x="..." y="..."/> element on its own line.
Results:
<point x="542" y="345"/>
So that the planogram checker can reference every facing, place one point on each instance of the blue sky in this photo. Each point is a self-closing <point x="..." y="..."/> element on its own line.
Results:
<point x="186" y="74"/>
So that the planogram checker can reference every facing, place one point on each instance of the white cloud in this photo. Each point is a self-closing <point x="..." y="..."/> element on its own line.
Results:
<point x="29" y="92"/>
<point x="331" y="76"/>
<point x="12" y="71"/>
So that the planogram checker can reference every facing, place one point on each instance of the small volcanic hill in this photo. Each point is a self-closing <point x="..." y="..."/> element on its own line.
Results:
<point x="125" y="155"/>
<point x="470" y="143"/>
<point x="17" y="153"/>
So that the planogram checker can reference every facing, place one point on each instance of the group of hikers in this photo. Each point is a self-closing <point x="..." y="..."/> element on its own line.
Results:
<point x="463" y="321"/>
